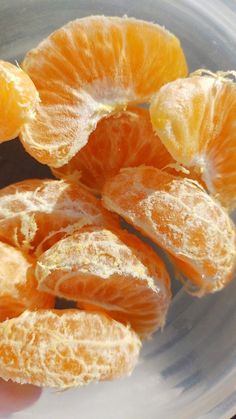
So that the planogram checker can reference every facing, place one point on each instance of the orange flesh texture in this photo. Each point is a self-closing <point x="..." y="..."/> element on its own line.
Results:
<point x="109" y="270"/>
<point x="195" y="119"/>
<point x="18" y="98"/>
<point x="35" y="213"/>
<point x="18" y="286"/>
<point x="181" y="217"/>
<point x="125" y="139"/>
<point x="91" y="68"/>
<point x="65" y="348"/>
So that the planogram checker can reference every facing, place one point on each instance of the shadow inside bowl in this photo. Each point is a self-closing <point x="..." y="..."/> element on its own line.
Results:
<point x="16" y="397"/>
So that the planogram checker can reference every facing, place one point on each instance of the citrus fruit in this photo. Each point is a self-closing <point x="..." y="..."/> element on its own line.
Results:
<point x="18" y="99"/>
<point x="88" y="69"/>
<point x="182" y="218"/>
<point x="125" y="139"/>
<point x="65" y="348"/>
<point x="108" y="270"/>
<point x="195" y="119"/>
<point x="18" y="286"/>
<point x="35" y="213"/>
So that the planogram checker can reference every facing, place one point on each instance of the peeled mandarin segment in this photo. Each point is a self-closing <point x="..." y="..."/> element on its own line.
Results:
<point x="18" y="99"/>
<point x="111" y="271"/>
<point x="182" y="218"/>
<point x="35" y="213"/>
<point x="65" y="348"/>
<point x="122" y="140"/>
<point x="18" y="286"/>
<point x="195" y="119"/>
<point x="88" y="69"/>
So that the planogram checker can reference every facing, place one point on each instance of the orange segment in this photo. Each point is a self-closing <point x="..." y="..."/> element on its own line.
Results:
<point x="182" y="218"/>
<point x="18" y="286"/>
<point x="35" y="213"/>
<point x="18" y="99"/>
<point x="89" y="69"/>
<point x="125" y="139"/>
<point x="66" y="348"/>
<point x="109" y="270"/>
<point x="195" y="119"/>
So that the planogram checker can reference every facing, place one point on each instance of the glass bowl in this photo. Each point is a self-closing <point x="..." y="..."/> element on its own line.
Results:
<point x="189" y="370"/>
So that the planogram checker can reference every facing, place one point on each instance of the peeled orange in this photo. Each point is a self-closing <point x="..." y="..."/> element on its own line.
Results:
<point x="18" y="100"/>
<point x="111" y="271"/>
<point x="65" y="348"/>
<point x="35" y="213"/>
<point x="125" y="139"/>
<point x="182" y="218"/>
<point x="88" y="69"/>
<point x="18" y="286"/>
<point x="195" y="119"/>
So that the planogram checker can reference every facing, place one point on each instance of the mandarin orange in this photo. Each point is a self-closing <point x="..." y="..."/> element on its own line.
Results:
<point x="65" y="348"/>
<point x="18" y="100"/>
<point x="195" y="119"/>
<point x="125" y="139"/>
<point x="18" y="286"/>
<point x="111" y="271"/>
<point x="35" y="213"/>
<point x="182" y="218"/>
<point x="88" y="69"/>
